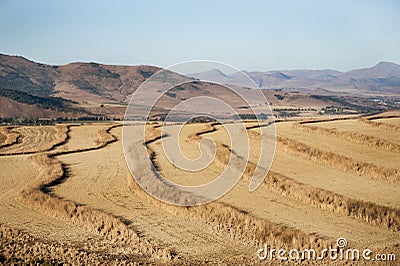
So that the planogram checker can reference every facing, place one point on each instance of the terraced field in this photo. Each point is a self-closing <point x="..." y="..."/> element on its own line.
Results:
<point x="67" y="194"/>
<point x="3" y="138"/>
<point x="8" y="137"/>
<point x="76" y="141"/>
<point x="333" y="180"/>
<point x="35" y="139"/>
<point x="391" y="121"/>
<point x="359" y="129"/>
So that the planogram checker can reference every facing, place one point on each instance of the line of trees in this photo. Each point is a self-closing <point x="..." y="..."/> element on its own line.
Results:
<point x="52" y="121"/>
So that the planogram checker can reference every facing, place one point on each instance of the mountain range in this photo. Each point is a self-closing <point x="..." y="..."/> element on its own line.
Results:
<point x="30" y="89"/>
<point x="381" y="79"/>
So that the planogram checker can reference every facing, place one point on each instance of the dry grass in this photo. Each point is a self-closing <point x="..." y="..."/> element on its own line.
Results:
<point x="98" y="179"/>
<point x="2" y="138"/>
<point x="391" y="121"/>
<point x="226" y="219"/>
<point x="380" y="125"/>
<point x="104" y="224"/>
<point x="357" y="138"/>
<point x="36" y="195"/>
<point x="338" y="161"/>
<point x="19" y="248"/>
<point x="8" y="137"/>
<point x="370" y="212"/>
<point x="357" y="126"/>
<point x="387" y="115"/>
<point x="223" y="153"/>
<point x="323" y="142"/>
<point x="240" y="226"/>
<point x="223" y="213"/>
<point x="320" y="198"/>
<point x="104" y="138"/>
<point x="88" y="134"/>
<point x="321" y="120"/>
<point x="39" y="140"/>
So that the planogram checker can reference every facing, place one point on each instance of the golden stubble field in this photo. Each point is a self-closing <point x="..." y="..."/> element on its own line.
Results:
<point x="67" y="195"/>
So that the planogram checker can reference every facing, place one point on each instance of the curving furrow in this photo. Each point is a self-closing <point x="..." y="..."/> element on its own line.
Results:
<point x="36" y="140"/>
<point x="339" y="161"/>
<point x="240" y="225"/>
<point x="38" y="195"/>
<point x="92" y="183"/>
<point x="291" y="190"/>
<point x="353" y="137"/>
<point x="9" y="137"/>
<point x="366" y="211"/>
<point x="381" y="125"/>
<point x="127" y="223"/>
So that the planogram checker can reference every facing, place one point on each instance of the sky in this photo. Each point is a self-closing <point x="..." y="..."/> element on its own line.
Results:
<point x="249" y="35"/>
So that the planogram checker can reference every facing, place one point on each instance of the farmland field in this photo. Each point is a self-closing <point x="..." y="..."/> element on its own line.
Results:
<point x="35" y="139"/>
<point x="2" y="138"/>
<point x="360" y="128"/>
<point x="67" y="194"/>
<point x="390" y="121"/>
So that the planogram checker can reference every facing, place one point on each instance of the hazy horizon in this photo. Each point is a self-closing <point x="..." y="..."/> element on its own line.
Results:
<point x="194" y="71"/>
<point x="256" y="36"/>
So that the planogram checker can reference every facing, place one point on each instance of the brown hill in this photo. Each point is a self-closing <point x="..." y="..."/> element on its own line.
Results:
<point x="383" y="78"/>
<point x="11" y="108"/>
<point x="30" y="89"/>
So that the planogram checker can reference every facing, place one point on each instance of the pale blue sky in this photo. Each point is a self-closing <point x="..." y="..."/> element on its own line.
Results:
<point x="251" y="35"/>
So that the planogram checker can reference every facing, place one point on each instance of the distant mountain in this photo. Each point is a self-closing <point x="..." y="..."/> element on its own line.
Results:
<point x="383" y="78"/>
<point x="381" y="70"/>
<point x="30" y="89"/>
<point x="323" y="74"/>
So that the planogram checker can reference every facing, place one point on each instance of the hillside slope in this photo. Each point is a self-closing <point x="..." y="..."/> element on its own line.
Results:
<point x="383" y="78"/>
<point x="92" y="90"/>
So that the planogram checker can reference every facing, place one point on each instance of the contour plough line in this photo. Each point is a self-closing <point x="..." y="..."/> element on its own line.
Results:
<point x="239" y="225"/>
<point x="60" y="139"/>
<point x="382" y="117"/>
<point x="12" y="137"/>
<point x="353" y="137"/>
<point x="321" y="120"/>
<point x="331" y="159"/>
<point x="106" y="138"/>
<point x="36" y="195"/>
<point x="369" y="212"/>
<point x="223" y="219"/>
<point x="226" y="220"/>
<point x="388" y="127"/>
<point x="365" y="211"/>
